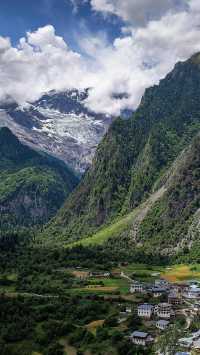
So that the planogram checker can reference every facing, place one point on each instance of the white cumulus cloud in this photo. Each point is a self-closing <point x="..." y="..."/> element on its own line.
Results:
<point x="138" y="59"/>
<point x="41" y="62"/>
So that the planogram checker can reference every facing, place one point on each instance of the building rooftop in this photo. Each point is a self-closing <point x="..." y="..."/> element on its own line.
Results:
<point x="138" y="334"/>
<point x="158" y="289"/>
<point x="145" y="306"/>
<point x="164" y="304"/>
<point x="173" y="294"/>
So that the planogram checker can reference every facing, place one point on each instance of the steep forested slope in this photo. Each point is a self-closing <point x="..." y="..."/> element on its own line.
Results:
<point x="32" y="185"/>
<point x="173" y="220"/>
<point x="135" y="154"/>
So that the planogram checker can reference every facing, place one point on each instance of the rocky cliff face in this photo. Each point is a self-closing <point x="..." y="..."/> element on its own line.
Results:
<point x="60" y="124"/>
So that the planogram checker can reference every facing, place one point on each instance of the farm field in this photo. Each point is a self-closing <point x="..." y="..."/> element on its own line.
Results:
<point x="181" y="273"/>
<point x="116" y="285"/>
<point x="103" y="286"/>
<point x="173" y="273"/>
<point x="141" y="272"/>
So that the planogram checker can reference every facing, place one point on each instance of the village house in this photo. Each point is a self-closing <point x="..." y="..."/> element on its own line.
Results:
<point x="162" y="324"/>
<point x="163" y="310"/>
<point x="174" y="298"/>
<point x="192" y="292"/>
<point x="141" y="338"/>
<point x="145" y="310"/>
<point x="185" y="342"/>
<point x="137" y="287"/>
<point x="182" y="353"/>
<point x="162" y="283"/>
<point x="117" y="273"/>
<point x="191" y="342"/>
<point x="158" y="292"/>
<point x="180" y="288"/>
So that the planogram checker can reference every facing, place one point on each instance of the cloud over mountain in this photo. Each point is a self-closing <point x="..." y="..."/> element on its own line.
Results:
<point x="149" y="46"/>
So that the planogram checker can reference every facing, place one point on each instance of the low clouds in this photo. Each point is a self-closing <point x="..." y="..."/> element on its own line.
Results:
<point x="138" y="59"/>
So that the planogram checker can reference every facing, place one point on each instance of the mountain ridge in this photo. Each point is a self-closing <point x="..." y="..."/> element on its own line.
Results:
<point x="60" y="124"/>
<point x="135" y="155"/>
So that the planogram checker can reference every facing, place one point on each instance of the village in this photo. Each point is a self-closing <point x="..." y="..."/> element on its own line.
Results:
<point x="159" y="305"/>
<point x="174" y="300"/>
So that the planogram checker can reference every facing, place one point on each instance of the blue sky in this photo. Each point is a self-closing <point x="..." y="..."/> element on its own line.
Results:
<point x="19" y="16"/>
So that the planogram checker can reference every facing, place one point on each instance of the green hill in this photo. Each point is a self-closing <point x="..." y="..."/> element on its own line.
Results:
<point x="33" y="185"/>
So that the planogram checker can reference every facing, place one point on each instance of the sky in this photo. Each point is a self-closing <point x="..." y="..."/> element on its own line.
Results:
<point x="111" y="46"/>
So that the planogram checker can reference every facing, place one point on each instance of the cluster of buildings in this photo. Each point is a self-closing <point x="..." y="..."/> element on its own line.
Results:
<point x="162" y="310"/>
<point x="173" y="298"/>
<point x="175" y="293"/>
<point x="191" y="342"/>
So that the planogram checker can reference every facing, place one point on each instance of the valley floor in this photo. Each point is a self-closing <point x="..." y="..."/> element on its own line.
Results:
<point x="78" y="309"/>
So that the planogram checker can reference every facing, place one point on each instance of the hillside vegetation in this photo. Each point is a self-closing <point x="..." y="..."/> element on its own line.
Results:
<point x="134" y="160"/>
<point x="32" y="185"/>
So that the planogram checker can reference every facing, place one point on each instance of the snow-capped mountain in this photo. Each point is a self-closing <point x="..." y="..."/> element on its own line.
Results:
<point x="60" y="124"/>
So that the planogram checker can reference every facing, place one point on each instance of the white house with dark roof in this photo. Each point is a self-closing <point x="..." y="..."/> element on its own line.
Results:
<point x="141" y="338"/>
<point x="145" y="310"/>
<point x="137" y="287"/>
<point x="162" y="324"/>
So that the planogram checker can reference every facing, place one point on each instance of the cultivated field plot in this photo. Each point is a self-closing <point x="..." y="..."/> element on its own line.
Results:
<point x="104" y="286"/>
<point x="141" y="272"/>
<point x="181" y="273"/>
